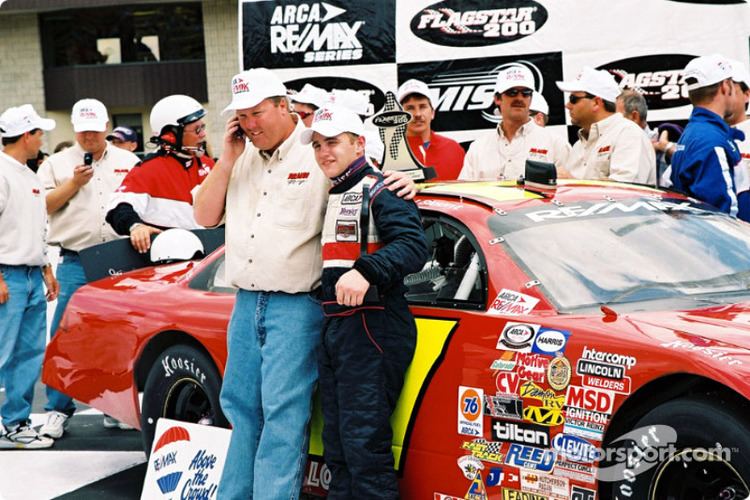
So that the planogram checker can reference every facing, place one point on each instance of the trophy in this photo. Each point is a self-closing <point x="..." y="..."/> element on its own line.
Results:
<point x="391" y="122"/>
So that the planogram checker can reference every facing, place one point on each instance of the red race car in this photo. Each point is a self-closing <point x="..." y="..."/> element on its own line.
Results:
<point x="589" y="342"/>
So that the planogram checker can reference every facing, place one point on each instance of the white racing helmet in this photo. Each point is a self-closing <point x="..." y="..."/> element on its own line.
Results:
<point x="175" y="244"/>
<point x="169" y="117"/>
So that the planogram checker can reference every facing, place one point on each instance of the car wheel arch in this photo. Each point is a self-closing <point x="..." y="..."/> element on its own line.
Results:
<point x="157" y="345"/>
<point x="664" y="389"/>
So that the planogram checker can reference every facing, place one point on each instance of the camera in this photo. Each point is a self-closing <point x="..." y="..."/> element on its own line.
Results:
<point x="88" y="159"/>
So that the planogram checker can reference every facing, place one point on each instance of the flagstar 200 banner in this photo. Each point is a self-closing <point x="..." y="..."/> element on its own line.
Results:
<point x="457" y="47"/>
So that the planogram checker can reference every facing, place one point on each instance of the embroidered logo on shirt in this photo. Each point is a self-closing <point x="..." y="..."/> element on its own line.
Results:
<point x="351" y="199"/>
<point x="35" y="192"/>
<point x="121" y="171"/>
<point x="604" y="150"/>
<point x="349" y="212"/>
<point x="297" y="177"/>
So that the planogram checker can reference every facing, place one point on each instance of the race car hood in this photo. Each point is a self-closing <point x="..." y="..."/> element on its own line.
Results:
<point x="726" y="326"/>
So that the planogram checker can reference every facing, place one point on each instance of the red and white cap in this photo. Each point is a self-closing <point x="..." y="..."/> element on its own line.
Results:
<point x="15" y="121"/>
<point x="250" y="87"/>
<point x="414" y="87"/>
<point x="599" y="83"/>
<point x="514" y="76"/>
<point x="707" y="70"/>
<point x="89" y="115"/>
<point x="331" y="121"/>
<point x="310" y="94"/>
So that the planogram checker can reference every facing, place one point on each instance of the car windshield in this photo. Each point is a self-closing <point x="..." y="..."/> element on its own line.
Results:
<point x="594" y="253"/>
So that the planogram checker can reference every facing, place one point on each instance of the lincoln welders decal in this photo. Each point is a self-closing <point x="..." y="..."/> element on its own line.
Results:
<point x="293" y="33"/>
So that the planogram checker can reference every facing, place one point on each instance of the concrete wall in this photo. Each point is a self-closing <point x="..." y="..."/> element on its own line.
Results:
<point x="222" y="63"/>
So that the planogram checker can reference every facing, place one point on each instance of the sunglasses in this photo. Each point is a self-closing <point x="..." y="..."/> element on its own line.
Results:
<point x="515" y="92"/>
<point x="575" y="98"/>
<point x="197" y="130"/>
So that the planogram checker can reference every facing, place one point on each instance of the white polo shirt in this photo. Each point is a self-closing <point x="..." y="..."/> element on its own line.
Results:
<point x="80" y="222"/>
<point x="744" y="146"/>
<point x="274" y="216"/>
<point x="23" y="215"/>
<point x="493" y="157"/>
<point x="616" y="149"/>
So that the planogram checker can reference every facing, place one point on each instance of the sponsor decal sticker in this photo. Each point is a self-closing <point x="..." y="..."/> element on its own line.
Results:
<point x="506" y="362"/>
<point x="510" y="494"/>
<point x="607" y="207"/>
<point x="711" y="352"/>
<point x="579" y="493"/>
<point x="470" y="421"/>
<point x="317" y="477"/>
<point x="502" y="405"/>
<point x="507" y="383"/>
<point x="478" y="23"/>
<point x="550" y="341"/>
<point x="588" y="398"/>
<point x="552" y="487"/>
<point x="532" y="366"/>
<point x="585" y="423"/>
<point x="559" y="372"/>
<point x="530" y="457"/>
<point x="621" y="386"/>
<point x="548" y="397"/>
<point x="521" y="433"/>
<point x="576" y="471"/>
<point x="476" y="489"/>
<point x="586" y="367"/>
<point x="445" y="205"/>
<point x="443" y="496"/>
<point x="543" y="415"/>
<point x="487" y="451"/>
<point x="470" y="466"/>
<point x="576" y="449"/>
<point x="517" y="337"/>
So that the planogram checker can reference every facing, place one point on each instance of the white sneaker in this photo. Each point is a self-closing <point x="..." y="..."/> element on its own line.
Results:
<point x="55" y="425"/>
<point x="23" y="437"/>
<point x="113" y="423"/>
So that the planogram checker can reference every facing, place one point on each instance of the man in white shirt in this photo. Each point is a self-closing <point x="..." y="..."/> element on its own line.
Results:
<point x="609" y="146"/>
<point x="501" y="153"/>
<point x="23" y="267"/>
<point x="79" y="181"/>
<point x="741" y="82"/>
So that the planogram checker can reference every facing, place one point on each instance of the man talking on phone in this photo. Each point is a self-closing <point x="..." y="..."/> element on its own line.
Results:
<point x="269" y="188"/>
<point x="78" y="183"/>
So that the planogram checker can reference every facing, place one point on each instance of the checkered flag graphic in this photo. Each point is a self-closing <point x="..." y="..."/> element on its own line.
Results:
<point x="494" y="446"/>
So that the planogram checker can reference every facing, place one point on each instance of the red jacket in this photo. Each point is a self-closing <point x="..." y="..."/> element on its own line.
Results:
<point x="445" y="155"/>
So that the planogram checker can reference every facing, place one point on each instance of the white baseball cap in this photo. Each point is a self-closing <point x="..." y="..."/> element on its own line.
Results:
<point x="374" y="147"/>
<point x="89" y="115"/>
<point x="250" y="87"/>
<point x="739" y="72"/>
<point x="331" y="121"/>
<point x="414" y="87"/>
<point x="310" y="94"/>
<point x="539" y="103"/>
<point x="706" y="70"/>
<point x="599" y="83"/>
<point x="16" y="121"/>
<point x="514" y="76"/>
<point x="349" y="99"/>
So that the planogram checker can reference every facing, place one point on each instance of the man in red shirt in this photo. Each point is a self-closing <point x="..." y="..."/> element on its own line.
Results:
<point x="445" y="155"/>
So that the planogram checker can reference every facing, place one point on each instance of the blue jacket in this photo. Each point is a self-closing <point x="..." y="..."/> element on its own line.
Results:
<point x="703" y="165"/>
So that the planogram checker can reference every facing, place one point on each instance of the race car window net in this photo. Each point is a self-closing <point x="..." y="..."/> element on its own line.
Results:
<point x="635" y="251"/>
<point x="455" y="275"/>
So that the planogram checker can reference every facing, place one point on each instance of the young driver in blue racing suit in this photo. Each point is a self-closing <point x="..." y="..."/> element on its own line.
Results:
<point x="371" y="240"/>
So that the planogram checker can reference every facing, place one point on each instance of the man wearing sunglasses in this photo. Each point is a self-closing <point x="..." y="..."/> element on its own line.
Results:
<point x="157" y="194"/>
<point x="707" y="162"/>
<point x="501" y="153"/>
<point x="609" y="146"/>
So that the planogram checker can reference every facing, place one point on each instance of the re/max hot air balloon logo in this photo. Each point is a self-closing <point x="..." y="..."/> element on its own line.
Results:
<point x="166" y="461"/>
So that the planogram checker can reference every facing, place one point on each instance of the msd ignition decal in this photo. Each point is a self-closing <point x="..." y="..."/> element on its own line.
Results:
<point x="476" y="23"/>
<point x="463" y="89"/>
<point x="516" y="336"/>
<point x="658" y="77"/>
<point x="470" y="422"/>
<point x="294" y="33"/>
<point x="332" y="84"/>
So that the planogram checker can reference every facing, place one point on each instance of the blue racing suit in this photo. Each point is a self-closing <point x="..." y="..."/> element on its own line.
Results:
<point x="704" y="164"/>
<point x="366" y="350"/>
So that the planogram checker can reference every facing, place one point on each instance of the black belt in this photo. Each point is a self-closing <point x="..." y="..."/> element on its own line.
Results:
<point x="65" y="251"/>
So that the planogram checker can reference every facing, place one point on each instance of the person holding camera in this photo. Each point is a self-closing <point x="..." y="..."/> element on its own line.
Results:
<point x="78" y="182"/>
<point x="157" y="194"/>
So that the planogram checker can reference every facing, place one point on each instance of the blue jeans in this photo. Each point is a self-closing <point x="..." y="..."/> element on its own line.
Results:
<point x="71" y="277"/>
<point x="268" y="384"/>
<point x="23" y="319"/>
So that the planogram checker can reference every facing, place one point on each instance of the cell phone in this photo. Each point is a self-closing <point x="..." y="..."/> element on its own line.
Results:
<point x="239" y="133"/>
<point x="88" y="158"/>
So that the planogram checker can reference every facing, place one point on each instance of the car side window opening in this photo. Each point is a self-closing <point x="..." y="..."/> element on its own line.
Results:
<point x="455" y="272"/>
<point x="213" y="278"/>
